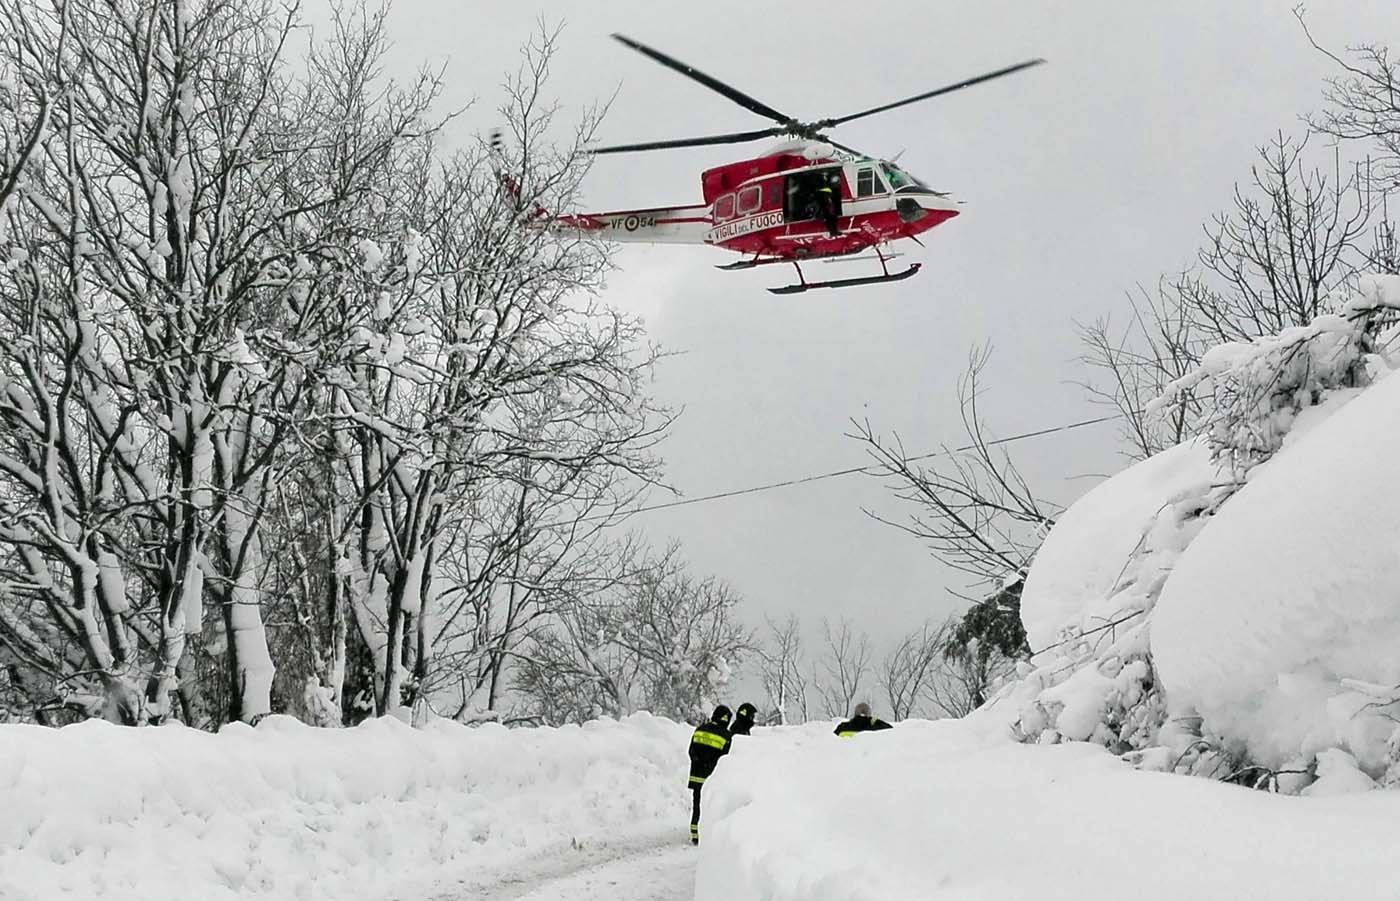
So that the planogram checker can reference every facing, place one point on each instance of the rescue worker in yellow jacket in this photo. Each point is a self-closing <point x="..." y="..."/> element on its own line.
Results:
<point x="708" y="744"/>
<point x="827" y="206"/>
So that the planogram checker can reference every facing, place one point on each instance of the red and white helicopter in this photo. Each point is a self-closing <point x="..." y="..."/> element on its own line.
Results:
<point x="808" y="198"/>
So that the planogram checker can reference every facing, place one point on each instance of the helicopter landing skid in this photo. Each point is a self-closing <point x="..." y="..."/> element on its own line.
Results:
<point x="887" y="276"/>
<point x="749" y="264"/>
<point x="849" y="256"/>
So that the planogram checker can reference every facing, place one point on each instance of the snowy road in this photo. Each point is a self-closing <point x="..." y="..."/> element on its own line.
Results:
<point x="661" y="868"/>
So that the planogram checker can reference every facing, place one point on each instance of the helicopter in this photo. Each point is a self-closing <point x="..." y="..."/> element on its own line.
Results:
<point x="806" y="198"/>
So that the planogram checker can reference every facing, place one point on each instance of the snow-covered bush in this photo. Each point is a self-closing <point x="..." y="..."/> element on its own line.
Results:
<point x="1253" y="392"/>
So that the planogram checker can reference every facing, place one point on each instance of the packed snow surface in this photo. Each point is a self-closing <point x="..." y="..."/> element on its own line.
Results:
<point x="1292" y="588"/>
<point x="953" y="810"/>
<point x="1084" y="556"/>
<point x="283" y="810"/>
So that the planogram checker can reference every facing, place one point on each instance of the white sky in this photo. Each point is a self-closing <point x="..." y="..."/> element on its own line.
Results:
<point x="1081" y="179"/>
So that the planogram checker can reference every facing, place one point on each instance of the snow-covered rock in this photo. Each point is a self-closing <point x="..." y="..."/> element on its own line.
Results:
<point x="1292" y="587"/>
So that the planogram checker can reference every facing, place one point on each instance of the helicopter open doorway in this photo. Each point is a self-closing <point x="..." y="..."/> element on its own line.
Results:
<point x="803" y="191"/>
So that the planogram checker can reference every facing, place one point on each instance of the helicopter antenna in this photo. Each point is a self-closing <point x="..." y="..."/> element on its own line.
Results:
<point x="786" y="125"/>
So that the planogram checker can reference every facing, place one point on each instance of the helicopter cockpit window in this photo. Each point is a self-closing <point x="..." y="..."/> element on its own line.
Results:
<point x="900" y="180"/>
<point x="724" y="207"/>
<point x="868" y="183"/>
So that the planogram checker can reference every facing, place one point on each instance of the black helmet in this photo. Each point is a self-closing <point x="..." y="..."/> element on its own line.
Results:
<point x="747" y="711"/>
<point x="721" y="715"/>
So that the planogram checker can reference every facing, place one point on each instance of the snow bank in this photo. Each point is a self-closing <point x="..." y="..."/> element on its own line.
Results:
<point x="1290" y="589"/>
<point x="287" y="811"/>
<point x="930" y="810"/>
<point x="1089" y="598"/>
<point x="1083" y="558"/>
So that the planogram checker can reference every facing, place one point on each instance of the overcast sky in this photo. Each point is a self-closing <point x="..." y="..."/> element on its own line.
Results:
<point x="1081" y="179"/>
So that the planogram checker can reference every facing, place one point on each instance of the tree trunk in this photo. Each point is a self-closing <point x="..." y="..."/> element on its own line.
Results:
<point x="250" y="663"/>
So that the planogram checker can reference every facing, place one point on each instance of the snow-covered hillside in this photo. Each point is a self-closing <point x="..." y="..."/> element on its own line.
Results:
<point x="286" y="811"/>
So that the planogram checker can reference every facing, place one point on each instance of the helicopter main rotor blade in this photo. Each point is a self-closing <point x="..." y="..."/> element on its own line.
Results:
<point x="839" y="146"/>
<point x="737" y="137"/>
<point x="946" y="89"/>
<point x="713" y="84"/>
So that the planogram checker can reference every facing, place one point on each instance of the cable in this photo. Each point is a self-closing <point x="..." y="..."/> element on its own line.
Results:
<point x="867" y="469"/>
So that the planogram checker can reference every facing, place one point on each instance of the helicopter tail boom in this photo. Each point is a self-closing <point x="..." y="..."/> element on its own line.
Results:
<point x="659" y="225"/>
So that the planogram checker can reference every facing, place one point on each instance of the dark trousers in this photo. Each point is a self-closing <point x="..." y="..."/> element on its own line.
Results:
<point x="695" y="816"/>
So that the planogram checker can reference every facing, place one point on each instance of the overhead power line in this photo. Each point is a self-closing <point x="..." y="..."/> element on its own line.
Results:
<point x="871" y="469"/>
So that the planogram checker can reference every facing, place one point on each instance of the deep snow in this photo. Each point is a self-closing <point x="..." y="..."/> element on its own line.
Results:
<point x="1083" y="558"/>
<point x="949" y="809"/>
<point x="1228" y="607"/>
<point x="955" y="810"/>
<point x="287" y="811"/>
<point x="1291" y="589"/>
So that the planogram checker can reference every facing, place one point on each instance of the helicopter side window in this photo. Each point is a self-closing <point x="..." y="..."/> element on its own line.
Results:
<point x="868" y="183"/>
<point x="724" y="207"/>
<point x="750" y="199"/>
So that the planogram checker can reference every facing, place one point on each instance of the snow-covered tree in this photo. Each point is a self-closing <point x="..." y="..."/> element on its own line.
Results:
<point x="970" y="506"/>
<point x="141" y="356"/>
<point x="1363" y="104"/>
<point x="532" y="542"/>
<point x="488" y="359"/>
<point x="1292" y="242"/>
<point x="27" y="89"/>
<point x="907" y="673"/>
<point x="780" y="661"/>
<point x="268" y="353"/>
<point x="841" y="675"/>
<point x="647" y="636"/>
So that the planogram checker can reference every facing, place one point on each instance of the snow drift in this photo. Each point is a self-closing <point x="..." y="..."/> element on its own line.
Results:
<point x="1082" y="560"/>
<point x="284" y="810"/>
<point x="934" y="810"/>
<point x="1089" y="598"/>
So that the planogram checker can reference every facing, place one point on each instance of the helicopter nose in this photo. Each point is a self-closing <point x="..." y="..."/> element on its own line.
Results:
<point x="916" y="207"/>
<point x="909" y="209"/>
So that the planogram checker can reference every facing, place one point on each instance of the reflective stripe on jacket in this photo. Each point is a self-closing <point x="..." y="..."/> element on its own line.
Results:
<point x="708" y="744"/>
